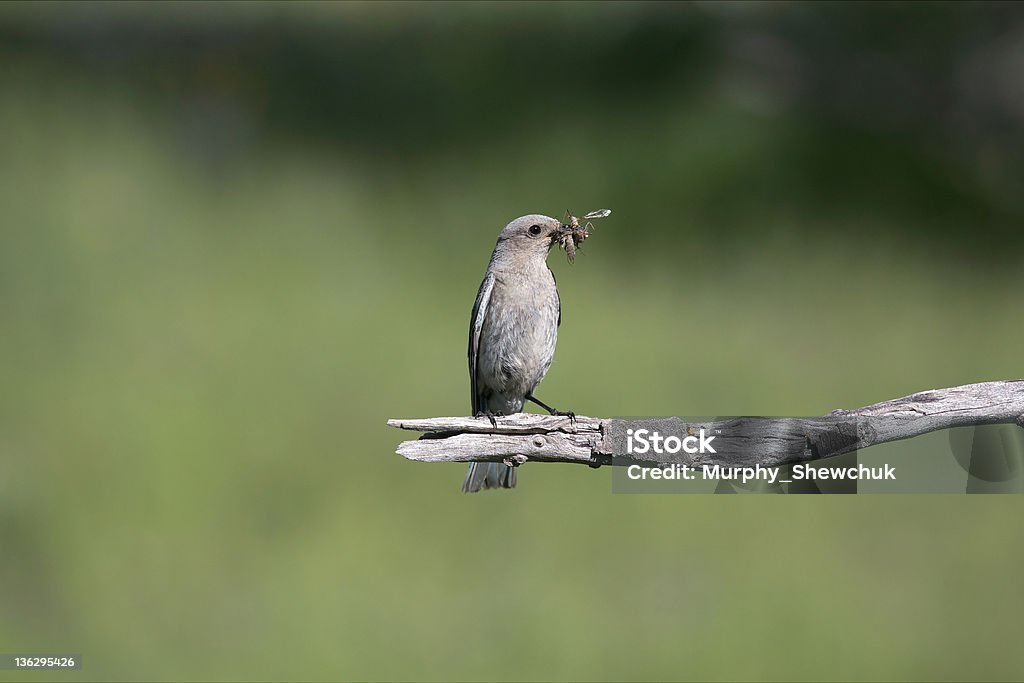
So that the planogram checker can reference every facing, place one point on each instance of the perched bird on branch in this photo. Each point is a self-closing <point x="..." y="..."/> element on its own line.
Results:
<point x="512" y="331"/>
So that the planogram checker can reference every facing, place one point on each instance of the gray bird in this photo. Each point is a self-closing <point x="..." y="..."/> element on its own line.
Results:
<point x="512" y="332"/>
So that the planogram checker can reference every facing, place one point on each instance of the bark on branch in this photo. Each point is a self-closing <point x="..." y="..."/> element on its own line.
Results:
<point x="744" y="441"/>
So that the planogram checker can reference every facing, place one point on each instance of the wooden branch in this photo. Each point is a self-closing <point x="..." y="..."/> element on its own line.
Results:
<point x="739" y="442"/>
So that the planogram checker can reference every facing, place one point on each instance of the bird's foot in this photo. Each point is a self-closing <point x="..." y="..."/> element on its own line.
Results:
<point x="551" y="411"/>
<point x="565" y="413"/>
<point x="489" y="415"/>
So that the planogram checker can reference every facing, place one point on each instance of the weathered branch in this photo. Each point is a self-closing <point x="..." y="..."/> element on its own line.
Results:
<point x="744" y="441"/>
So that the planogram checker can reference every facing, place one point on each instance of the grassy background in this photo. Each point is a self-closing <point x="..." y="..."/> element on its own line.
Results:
<point x="209" y="309"/>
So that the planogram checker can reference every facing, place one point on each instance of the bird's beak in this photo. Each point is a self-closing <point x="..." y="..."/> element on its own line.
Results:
<point x="557" y="235"/>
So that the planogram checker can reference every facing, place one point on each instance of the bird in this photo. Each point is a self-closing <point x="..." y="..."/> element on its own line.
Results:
<point x="512" y="332"/>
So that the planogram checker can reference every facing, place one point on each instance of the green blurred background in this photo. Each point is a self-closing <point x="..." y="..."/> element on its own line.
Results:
<point x="236" y="238"/>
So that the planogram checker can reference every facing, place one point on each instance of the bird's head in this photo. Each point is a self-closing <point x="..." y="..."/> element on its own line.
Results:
<point x="530" y="236"/>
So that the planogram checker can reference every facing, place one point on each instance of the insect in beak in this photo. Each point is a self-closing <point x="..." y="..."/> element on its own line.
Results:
<point x="572" y="233"/>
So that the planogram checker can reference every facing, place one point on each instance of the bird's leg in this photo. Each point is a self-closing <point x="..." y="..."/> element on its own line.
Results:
<point x="565" y="413"/>
<point x="489" y="415"/>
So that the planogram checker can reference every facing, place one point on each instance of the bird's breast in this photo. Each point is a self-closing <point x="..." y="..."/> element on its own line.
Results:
<point x="519" y="333"/>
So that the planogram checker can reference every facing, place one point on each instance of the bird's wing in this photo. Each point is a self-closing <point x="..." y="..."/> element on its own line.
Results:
<point x="558" y="297"/>
<point x="476" y="324"/>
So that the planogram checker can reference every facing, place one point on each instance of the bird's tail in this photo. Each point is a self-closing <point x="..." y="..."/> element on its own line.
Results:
<point x="489" y="475"/>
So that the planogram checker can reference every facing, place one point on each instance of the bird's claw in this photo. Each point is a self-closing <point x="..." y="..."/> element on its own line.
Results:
<point x="566" y="413"/>
<point x="490" y="416"/>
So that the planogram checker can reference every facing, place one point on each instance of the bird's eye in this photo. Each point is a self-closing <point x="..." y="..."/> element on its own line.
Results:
<point x="534" y="230"/>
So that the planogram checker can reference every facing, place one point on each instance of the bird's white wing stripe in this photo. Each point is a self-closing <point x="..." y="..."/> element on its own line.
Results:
<point x="479" y="315"/>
